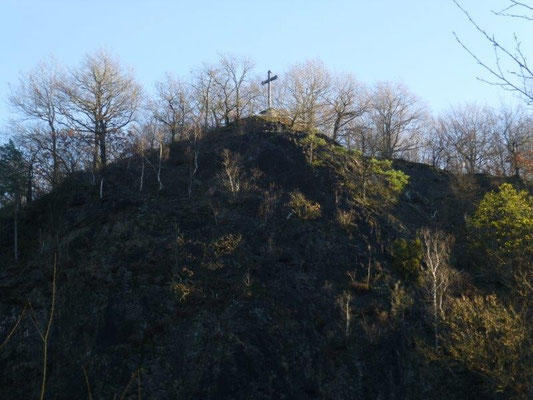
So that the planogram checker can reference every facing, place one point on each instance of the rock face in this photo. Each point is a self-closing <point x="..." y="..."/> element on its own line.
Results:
<point x="224" y="293"/>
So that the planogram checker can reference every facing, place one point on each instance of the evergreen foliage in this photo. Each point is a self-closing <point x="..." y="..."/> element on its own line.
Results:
<point x="407" y="257"/>
<point x="13" y="174"/>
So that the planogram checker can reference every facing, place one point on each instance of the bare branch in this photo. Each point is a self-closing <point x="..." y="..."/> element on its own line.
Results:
<point x="12" y="331"/>
<point x="519" y="77"/>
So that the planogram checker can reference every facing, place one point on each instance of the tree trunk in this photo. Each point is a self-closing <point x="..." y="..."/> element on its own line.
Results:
<point x="15" y="230"/>
<point x="29" y="190"/>
<point x="96" y="164"/>
<point x="435" y="311"/>
<point x="206" y="122"/>
<point x="55" y="171"/>
<point x="173" y="132"/>
<point x="336" y="128"/>
<point x="103" y="154"/>
<point x="515" y="165"/>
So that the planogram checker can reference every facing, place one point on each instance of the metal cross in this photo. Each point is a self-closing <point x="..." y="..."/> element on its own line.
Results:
<point x="267" y="82"/>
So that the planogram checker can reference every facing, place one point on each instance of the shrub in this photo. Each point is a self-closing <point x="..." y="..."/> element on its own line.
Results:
<point x="215" y="252"/>
<point x="302" y="207"/>
<point x="407" y="258"/>
<point x="401" y="301"/>
<point x="226" y="245"/>
<point x="378" y="180"/>
<point x="492" y="340"/>
<point x="313" y="142"/>
<point x="181" y="290"/>
<point x="269" y="203"/>
<point x="502" y="226"/>
<point x="346" y="219"/>
<point x="232" y="171"/>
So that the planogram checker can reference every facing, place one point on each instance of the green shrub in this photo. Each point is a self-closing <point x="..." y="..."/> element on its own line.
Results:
<point x="502" y="226"/>
<point x="407" y="258"/>
<point x="313" y="142"/>
<point x="377" y="181"/>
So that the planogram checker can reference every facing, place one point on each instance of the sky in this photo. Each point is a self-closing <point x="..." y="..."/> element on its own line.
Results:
<point x="410" y="41"/>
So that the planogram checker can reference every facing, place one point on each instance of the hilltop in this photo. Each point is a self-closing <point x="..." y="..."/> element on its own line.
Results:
<point x="227" y="277"/>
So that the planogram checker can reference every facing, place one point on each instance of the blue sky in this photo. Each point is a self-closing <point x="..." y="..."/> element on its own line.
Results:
<point x="410" y="40"/>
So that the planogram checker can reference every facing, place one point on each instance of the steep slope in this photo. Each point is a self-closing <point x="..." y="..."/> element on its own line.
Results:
<point x="236" y="290"/>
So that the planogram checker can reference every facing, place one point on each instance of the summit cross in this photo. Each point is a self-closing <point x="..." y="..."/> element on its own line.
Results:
<point x="267" y="82"/>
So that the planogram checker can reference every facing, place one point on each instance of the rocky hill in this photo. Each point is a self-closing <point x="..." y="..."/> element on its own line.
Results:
<point x="260" y="268"/>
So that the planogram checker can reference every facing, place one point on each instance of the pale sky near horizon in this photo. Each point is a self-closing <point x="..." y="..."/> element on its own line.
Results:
<point x="410" y="41"/>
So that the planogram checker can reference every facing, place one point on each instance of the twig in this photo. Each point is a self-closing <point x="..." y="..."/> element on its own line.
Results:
<point x="87" y="382"/>
<point x="44" y="336"/>
<point x="514" y="4"/>
<point x="128" y="385"/>
<point x="48" y="326"/>
<point x="14" y="327"/>
<point x="523" y="71"/>
<point x="139" y="384"/>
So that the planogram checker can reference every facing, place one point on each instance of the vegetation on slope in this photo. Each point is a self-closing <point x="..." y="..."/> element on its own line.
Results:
<point x="257" y="262"/>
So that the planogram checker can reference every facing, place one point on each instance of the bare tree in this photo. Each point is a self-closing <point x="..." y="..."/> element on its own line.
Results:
<point x="307" y="86"/>
<point x="36" y="97"/>
<point x="140" y="149"/>
<point x="344" y="301"/>
<point x="150" y="139"/>
<point x="348" y="101"/>
<point x="172" y="106"/>
<point x="101" y="99"/>
<point x="437" y="274"/>
<point x="223" y="92"/>
<point x="513" y="140"/>
<point x="203" y="94"/>
<point x="468" y="131"/>
<point x="436" y="148"/>
<point x="398" y="117"/>
<point x="231" y="163"/>
<point x="232" y="80"/>
<point x="509" y="68"/>
<point x="193" y="152"/>
<point x="360" y="136"/>
<point x="70" y="150"/>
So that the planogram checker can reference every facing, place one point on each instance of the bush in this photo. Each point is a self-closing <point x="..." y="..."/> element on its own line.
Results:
<point x="302" y="207"/>
<point x="407" y="258"/>
<point x="217" y="252"/>
<point x="181" y="290"/>
<point x="491" y="339"/>
<point x="501" y="234"/>
<point x="378" y="180"/>
<point x="346" y="219"/>
<point x="502" y="226"/>
<point x="401" y="301"/>
<point x="226" y="244"/>
<point x="232" y="174"/>
<point x="313" y="142"/>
